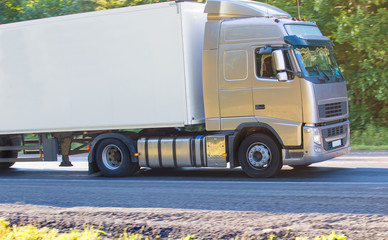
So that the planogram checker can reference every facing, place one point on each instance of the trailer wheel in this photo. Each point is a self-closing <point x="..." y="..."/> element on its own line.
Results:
<point x="260" y="156"/>
<point x="7" y="154"/>
<point x="114" y="158"/>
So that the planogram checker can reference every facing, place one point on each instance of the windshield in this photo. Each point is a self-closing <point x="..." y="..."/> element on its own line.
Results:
<point x="317" y="61"/>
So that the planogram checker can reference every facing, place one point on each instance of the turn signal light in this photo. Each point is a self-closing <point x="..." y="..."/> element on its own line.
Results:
<point x="88" y="148"/>
<point x="224" y="155"/>
<point x="299" y="19"/>
<point x="136" y="154"/>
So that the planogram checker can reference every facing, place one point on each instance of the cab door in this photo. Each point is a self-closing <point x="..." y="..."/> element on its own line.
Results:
<point x="235" y="86"/>
<point x="277" y="103"/>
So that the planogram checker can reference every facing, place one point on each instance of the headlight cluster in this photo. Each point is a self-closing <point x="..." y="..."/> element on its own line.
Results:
<point x="317" y="138"/>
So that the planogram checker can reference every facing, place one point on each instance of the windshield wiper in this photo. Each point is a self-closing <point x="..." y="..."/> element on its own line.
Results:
<point x="319" y="70"/>
<point x="335" y="71"/>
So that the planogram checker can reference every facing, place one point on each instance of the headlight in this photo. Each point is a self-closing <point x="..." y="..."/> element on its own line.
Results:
<point x="317" y="137"/>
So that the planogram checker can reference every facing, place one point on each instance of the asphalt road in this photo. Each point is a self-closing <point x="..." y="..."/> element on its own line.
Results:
<point x="355" y="183"/>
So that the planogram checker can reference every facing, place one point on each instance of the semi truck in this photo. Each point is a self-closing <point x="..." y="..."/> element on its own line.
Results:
<point x="225" y="83"/>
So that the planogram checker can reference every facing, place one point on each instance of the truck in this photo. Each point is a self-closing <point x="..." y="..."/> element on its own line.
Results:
<point x="225" y="83"/>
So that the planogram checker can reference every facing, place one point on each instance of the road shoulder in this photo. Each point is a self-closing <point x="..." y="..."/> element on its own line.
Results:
<point x="204" y="224"/>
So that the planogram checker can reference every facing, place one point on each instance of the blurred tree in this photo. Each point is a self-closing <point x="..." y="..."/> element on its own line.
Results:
<point x="108" y="4"/>
<point x="33" y="9"/>
<point x="362" y="48"/>
<point x="20" y="10"/>
<point x="10" y="10"/>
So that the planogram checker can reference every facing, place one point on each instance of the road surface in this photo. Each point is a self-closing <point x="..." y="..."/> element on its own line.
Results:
<point x="355" y="183"/>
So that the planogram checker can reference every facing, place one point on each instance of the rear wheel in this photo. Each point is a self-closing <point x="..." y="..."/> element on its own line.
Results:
<point x="114" y="158"/>
<point x="8" y="154"/>
<point x="6" y="165"/>
<point x="260" y="156"/>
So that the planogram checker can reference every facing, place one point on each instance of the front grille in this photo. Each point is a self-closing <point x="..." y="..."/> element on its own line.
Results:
<point x="332" y="132"/>
<point x="332" y="109"/>
<point x="335" y="131"/>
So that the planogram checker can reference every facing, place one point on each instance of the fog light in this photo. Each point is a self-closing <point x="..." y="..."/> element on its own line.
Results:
<point x="317" y="149"/>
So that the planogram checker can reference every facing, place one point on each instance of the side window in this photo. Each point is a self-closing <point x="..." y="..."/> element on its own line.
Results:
<point x="265" y="67"/>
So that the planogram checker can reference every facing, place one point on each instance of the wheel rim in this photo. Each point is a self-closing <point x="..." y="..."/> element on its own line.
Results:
<point x="112" y="157"/>
<point x="259" y="156"/>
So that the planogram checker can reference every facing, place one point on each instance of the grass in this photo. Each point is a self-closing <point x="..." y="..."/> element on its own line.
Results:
<point x="332" y="236"/>
<point x="369" y="148"/>
<point x="30" y="232"/>
<point x="371" y="138"/>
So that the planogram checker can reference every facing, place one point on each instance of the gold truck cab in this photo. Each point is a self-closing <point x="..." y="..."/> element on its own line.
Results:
<point x="265" y="73"/>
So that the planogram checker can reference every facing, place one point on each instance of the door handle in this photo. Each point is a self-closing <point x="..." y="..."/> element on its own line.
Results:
<point x="259" y="106"/>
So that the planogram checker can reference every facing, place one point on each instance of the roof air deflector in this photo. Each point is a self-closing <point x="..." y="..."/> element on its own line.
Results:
<point x="222" y="9"/>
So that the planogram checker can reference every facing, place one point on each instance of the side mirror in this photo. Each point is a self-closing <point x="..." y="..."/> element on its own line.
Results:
<point x="278" y="57"/>
<point x="282" y="76"/>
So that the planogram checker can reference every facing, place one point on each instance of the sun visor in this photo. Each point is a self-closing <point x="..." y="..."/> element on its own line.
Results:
<point x="308" y="40"/>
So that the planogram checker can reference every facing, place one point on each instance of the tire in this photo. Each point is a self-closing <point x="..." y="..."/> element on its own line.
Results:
<point x="114" y="158"/>
<point x="7" y="154"/>
<point x="260" y="156"/>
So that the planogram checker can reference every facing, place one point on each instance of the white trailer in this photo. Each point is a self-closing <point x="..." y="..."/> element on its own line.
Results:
<point x="133" y="67"/>
<point x="174" y="84"/>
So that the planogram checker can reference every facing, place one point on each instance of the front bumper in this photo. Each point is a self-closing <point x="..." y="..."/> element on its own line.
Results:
<point x="320" y="144"/>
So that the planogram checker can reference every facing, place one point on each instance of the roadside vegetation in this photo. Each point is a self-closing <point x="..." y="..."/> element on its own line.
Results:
<point x="372" y="138"/>
<point x="30" y="232"/>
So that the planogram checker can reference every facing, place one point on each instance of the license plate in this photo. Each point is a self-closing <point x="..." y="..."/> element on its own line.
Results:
<point x="336" y="143"/>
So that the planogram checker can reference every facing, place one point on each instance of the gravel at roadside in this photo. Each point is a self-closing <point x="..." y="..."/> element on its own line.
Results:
<point x="178" y="223"/>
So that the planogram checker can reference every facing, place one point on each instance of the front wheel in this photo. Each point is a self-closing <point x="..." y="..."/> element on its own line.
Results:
<point x="114" y="158"/>
<point x="260" y="156"/>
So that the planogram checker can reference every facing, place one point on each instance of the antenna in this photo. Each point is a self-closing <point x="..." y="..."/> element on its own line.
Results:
<point x="298" y="10"/>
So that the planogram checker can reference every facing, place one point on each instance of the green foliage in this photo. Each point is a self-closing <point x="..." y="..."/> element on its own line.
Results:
<point x="189" y="237"/>
<point x="10" y="10"/>
<point x="371" y="136"/>
<point x="20" y="10"/>
<point x="30" y="232"/>
<point x="108" y="4"/>
<point x="362" y="35"/>
<point x="332" y="236"/>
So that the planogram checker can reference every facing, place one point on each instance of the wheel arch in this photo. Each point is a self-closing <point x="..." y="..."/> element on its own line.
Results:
<point x="128" y="140"/>
<point x="246" y="129"/>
